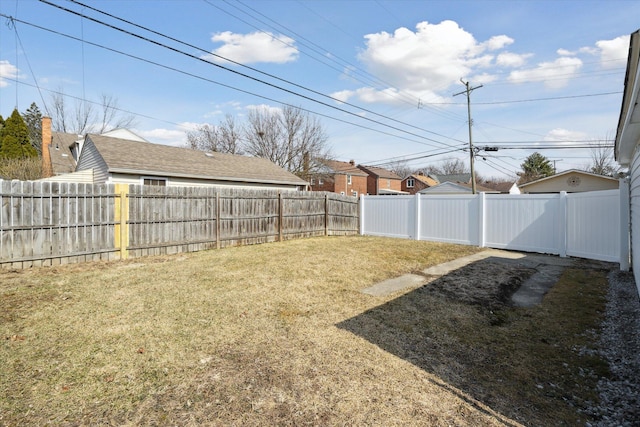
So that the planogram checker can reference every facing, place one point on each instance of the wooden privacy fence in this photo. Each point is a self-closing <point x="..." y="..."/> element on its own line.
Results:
<point x="48" y="223"/>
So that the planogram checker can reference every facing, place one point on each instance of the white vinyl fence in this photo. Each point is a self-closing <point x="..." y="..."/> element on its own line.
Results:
<point x="584" y="225"/>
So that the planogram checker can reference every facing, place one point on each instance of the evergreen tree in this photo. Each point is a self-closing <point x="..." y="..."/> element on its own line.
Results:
<point x="33" y="119"/>
<point x="14" y="138"/>
<point x="536" y="166"/>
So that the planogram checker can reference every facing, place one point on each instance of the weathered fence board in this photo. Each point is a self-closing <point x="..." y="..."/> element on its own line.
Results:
<point x="48" y="223"/>
<point x="43" y="223"/>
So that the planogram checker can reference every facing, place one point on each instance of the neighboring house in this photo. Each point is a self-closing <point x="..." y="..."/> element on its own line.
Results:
<point x="627" y="147"/>
<point x="340" y="177"/>
<point x="57" y="157"/>
<point x="449" y="187"/>
<point x="382" y="181"/>
<point x="117" y="160"/>
<point x="121" y="156"/>
<point x="503" y="187"/>
<point x="571" y="181"/>
<point x="60" y="151"/>
<point x="416" y="182"/>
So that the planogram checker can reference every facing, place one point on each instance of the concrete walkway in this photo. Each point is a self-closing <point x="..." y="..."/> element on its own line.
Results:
<point x="548" y="271"/>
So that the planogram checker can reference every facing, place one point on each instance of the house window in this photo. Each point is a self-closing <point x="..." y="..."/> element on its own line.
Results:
<point x="158" y="182"/>
<point x="313" y="181"/>
<point x="348" y="179"/>
<point x="320" y="181"/>
<point x="411" y="182"/>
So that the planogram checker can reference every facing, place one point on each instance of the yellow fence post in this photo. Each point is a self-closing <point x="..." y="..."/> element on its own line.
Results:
<point x="121" y="229"/>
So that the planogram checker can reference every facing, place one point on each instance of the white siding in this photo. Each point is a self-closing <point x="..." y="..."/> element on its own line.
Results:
<point x="85" y="176"/>
<point x="634" y="196"/>
<point x="91" y="159"/>
<point x="132" y="179"/>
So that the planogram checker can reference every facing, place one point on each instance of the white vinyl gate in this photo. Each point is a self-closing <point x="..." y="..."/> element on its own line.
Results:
<point x="584" y="225"/>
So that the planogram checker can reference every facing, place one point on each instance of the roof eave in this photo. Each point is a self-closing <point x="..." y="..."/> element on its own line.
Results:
<point x="203" y="177"/>
<point x="628" y="132"/>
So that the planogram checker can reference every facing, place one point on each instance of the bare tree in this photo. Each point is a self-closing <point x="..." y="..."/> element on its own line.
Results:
<point x="602" y="162"/>
<point x="229" y="136"/>
<point x="400" y="168"/>
<point x="447" y="167"/>
<point x="59" y="113"/>
<point x="453" y="167"/>
<point x="88" y="117"/>
<point x="224" y="138"/>
<point x="290" y="137"/>
<point x="111" y="117"/>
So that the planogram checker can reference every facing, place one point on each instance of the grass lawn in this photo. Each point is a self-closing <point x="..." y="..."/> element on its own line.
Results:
<point x="280" y="334"/>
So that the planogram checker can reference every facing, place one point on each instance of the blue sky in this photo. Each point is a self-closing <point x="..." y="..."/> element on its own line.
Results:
<point x="552" y="72"/>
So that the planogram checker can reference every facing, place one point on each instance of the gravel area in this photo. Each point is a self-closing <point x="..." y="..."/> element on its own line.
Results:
<point x="620" y="345"/>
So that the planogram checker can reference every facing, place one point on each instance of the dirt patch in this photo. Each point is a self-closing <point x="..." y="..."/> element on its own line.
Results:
<point x="488" y="283"/>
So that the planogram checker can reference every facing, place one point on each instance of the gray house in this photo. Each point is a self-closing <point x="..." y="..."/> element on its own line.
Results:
<point x="120" y="156"/>
<point x="126" y="161"/>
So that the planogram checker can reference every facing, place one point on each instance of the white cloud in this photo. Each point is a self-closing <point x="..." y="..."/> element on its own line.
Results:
<point x="498" y="42"/>
<point x="565" y="52"/>
<point x="253" y="47"/>
<point x="554" y="74"/>
<point x="7" y="71"/>
<point x="428" y="62"/>
<point x="613" y="53"/>
<point x="512" y="60"/>
<point x="174" y="137"/>
<point x="483" y="78"/>
<point x="560" y="134"/>
<point x="273" y="110"/>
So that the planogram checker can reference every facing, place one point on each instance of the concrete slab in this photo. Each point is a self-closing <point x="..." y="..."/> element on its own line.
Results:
<point x="548" y="271"/>
<point x="532" y="290"/>
<point x="447" y="267"/>
<point x="390" y="286"/>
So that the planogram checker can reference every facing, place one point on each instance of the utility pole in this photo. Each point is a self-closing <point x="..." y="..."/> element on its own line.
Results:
<point x="468" y="91"/>
<point x="554" y="165"/>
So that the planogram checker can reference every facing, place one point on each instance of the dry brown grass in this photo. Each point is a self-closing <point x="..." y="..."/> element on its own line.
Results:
<point x="280" y="334"/>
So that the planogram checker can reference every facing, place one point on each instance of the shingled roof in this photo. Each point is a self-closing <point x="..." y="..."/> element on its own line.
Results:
<point x="379" y="172"/>
<point x="346" y="168"/>
<point x="424" y="179"/>
<point x="144" y="158"/>
<point x="62" y="160"/>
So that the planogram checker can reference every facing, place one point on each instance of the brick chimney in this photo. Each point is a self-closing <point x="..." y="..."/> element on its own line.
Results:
<point x="47" y="169"/>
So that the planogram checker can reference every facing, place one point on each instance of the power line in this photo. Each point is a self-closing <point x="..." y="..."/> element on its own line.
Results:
<point x="531" y="100"/>
<point x="217" y="83"/>
<point x="252" y="69"/>
<point x="314" y="47"/>
<point x="19" y="40"/>
<point x="372" y="79"/>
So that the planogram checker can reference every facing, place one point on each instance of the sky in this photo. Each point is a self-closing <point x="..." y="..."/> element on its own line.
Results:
<point x="386" y="79"/>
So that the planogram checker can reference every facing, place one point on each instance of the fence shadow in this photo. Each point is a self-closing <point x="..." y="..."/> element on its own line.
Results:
<point x="445" y="329"/>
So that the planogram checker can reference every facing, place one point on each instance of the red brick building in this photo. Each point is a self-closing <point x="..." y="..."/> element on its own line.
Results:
<point x="340" y="177"/>
<point x="382" y="181"/>
<point x="416" y="182"/>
